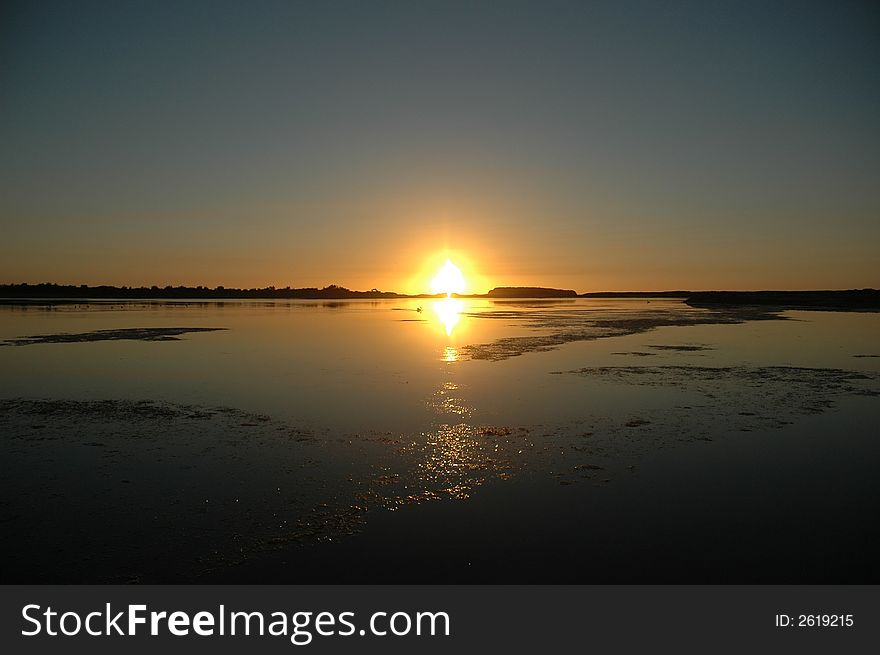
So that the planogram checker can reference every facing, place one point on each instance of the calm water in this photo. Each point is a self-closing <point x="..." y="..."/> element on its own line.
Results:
<point x="432" y="441"/>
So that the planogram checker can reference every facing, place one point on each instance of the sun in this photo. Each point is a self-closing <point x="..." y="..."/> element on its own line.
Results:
<point x="448" y="280"/>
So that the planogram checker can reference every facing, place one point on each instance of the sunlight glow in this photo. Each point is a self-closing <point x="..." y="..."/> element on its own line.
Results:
<point x="448" y="280"/>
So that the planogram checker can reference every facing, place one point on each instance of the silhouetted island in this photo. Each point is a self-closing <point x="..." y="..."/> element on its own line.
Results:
<point x="530" y="292"/>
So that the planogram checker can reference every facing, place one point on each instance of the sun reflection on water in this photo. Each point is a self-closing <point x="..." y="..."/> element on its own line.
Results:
<point x="450" y="354"/>
<point x="455" y="460"/>
<point x="447" y="400"/>
<point x="455" y="454"/>
<point x="448" y="310"/>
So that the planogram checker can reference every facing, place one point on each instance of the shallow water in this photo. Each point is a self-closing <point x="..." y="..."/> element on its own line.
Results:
<point x="308" y="435"/>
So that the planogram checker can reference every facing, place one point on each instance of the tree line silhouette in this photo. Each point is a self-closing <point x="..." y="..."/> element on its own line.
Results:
<point x="51" y="290"/>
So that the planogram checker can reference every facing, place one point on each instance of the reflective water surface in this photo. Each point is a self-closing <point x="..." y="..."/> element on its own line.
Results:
<point x="423" y="440"/>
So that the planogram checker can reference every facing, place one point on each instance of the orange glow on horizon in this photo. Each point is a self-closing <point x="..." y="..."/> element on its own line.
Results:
<point x="448" y="272"/>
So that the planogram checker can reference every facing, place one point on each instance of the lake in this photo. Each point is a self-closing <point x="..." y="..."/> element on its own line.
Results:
<point x="434" y="441"/>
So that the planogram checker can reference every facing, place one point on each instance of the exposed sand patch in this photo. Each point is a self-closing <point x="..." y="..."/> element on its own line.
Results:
<point x="554" y="328"/>
<point x="684" y="348"/>
<point x="133" y="334"/>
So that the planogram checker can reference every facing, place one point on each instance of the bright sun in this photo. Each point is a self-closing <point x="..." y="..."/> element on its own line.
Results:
<point x="448" y="280"/>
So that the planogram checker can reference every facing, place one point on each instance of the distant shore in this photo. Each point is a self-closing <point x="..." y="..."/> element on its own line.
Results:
<point x="843" y="300"/>
<point x="834" y="300"/>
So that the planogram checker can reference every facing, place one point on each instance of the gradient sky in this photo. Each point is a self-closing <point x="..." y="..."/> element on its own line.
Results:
<point x="595" y="146"/>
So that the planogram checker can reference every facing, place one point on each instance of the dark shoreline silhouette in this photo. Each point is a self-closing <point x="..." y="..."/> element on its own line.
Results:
<point x="82" y="292"/>
<point x="850" y="299"/>
<point x="835" y="300"/>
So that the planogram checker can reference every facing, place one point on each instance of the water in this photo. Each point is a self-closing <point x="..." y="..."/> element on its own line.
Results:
<point x="423" y="440"/>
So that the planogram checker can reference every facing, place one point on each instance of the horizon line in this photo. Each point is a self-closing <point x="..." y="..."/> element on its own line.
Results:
<point x="331" y="287"/>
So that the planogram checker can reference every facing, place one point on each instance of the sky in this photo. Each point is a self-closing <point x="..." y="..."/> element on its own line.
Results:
<point x="584" y="145"/>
